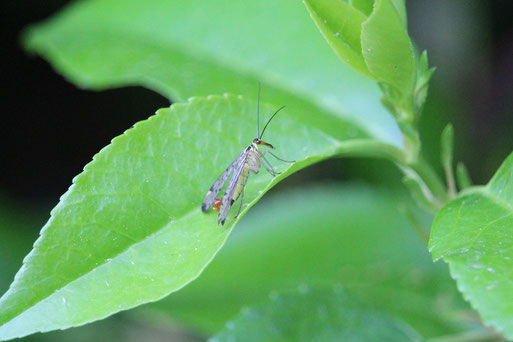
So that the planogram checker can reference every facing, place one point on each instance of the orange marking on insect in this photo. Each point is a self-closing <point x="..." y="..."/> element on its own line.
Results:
<point x="217" y="204"/>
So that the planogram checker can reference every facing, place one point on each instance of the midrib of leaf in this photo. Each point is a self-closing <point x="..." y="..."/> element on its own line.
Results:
<point x="338" y="147"/>
<point x="226" y="61"/>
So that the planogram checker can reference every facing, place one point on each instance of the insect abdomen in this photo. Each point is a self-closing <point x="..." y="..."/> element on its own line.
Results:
<point x="241" y="182"/>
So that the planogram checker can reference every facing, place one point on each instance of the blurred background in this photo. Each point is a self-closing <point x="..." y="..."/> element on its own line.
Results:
<point x="51" y="129"/>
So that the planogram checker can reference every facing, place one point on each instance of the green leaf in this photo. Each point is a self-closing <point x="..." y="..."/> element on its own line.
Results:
<point x="446" y="157"/>
<point x="400" y="8"/>
<point x="315" y="315"/>
<point x="130" y="229"/>
<point x="447" y="146"/>
<point x="424" y="74"/>
<point x="463" y="176"/>
<point x="473" y="234"/>
<point x="321" y="235"/>
<point x="200" y="47"/>
<point x="387" y="48"/>
<point x="340" y="23"/>
<point x="364" y="6"/>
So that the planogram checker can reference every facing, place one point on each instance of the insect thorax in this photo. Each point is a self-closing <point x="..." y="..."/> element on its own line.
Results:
<point x="253" y="161"/>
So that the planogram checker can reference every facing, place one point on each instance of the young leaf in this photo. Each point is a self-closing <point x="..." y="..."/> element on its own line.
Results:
<point x="387" y="48"/>
<point x="463" y="176"/>
<point x="424" y="74"/>
<point x="230" y="47"/>
<point x="364" y="6"/>
<point x="340" y="24"/>
<point x="315" y="315"/>
<point x="400" y="8"/>
<point x="130" y="229"/>
<point x="321" y="235"/>
<point x="446" y="156"/>
<point x="473" y="234"/>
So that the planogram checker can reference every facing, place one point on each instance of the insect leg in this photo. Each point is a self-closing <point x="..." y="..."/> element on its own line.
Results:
<point x="286" y="161"/>
<point x="268" y="167"/>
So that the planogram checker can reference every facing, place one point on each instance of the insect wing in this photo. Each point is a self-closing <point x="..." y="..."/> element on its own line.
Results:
<point x="218" y="184"/>
<point x="227" y="198"/>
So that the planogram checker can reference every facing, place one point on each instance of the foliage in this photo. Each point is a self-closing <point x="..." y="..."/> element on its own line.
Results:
<point x="130" y="230"/>
<point x="365" y="245"/>
<point x="333" y="316"/>
<point x="473" y="234"/>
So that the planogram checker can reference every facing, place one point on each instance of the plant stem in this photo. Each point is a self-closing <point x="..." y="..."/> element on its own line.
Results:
<point x="419" y="167"/>
<point x="433" y="182"/>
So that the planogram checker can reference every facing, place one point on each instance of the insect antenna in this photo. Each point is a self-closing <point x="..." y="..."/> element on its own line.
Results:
<point x="258" y="110"/>
<point x="260" y="137"/>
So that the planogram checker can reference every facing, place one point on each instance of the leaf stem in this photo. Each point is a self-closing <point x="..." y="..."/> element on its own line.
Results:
<point x="418" y="169"/>
<point x="432" y="180"/>
<point x="451" y="184"/>
<point x="446" y="158"/>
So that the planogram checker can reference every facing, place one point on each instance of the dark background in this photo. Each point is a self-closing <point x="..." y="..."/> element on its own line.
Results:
<point x="51" y="129"/>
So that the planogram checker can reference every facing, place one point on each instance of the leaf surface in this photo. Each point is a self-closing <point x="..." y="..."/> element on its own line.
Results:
<point x="130" y="229"/>
<point x="364" y="6"/>
<point x="322" y="235"/>
<point x="473" y="234"/>
<point x="202" y="47"/>
<point x="333" y="315"/>
<point x="341" y="25"/>
<point x="387" y="49"/>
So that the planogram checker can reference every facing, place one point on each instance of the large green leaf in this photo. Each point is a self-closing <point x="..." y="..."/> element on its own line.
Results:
<point x="315" y="315"/>
<point x="387" y="49"/>
<point x="341" y="25"/>
<point x="202" y="47"/>
<point x="130" y="229"/>
<point x="474" y="234"/>
<point x="371" y="39"/>
<point x="350" y="234"/>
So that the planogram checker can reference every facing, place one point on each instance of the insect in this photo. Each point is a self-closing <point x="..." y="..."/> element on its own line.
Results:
<point x="249" y="160"/>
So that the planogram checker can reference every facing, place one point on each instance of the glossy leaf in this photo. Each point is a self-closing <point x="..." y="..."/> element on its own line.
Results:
<point x="130" y="229"/>
<point x="400" y="8"/>
<point x="364" y="6"/>
<point x="473" y="234"/>
<point x="387" y="49"/>
<point x="371" y="39"/>
<point x="322" y="235"/>
<point x="340" y="23"/>
<point x="230" y="47"/>
<point x="315" y="315"/>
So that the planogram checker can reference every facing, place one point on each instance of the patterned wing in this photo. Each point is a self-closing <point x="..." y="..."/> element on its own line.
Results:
<point x="218" y="184"/>
<point x="227" y="201"/>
